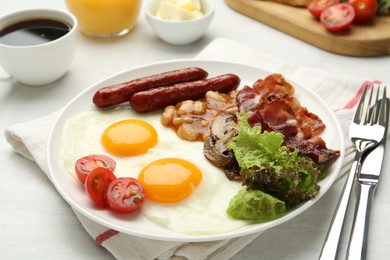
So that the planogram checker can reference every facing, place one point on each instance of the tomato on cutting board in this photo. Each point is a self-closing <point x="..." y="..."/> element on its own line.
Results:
<point x="337" y="17"/>
<point x="96" y="185"/>
<point x="365" y="10"/>
<point x="316" y="7"/>
<point x="86" y="164"/>
<point x="125" y="195"/>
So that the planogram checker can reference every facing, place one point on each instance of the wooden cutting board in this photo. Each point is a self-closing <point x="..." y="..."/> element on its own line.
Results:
<point x="363" y="40"/>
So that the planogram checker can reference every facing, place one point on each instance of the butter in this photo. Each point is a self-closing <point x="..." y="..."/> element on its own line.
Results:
<point x="190" y="5"/>
<point x="179" y="10"/>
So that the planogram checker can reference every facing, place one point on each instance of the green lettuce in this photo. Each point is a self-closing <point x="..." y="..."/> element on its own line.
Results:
<point x="255" y="205"/>
<point x="269" y="166"/>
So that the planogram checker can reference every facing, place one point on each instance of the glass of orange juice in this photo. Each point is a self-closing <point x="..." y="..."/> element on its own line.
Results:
<point x="105" y="18"/>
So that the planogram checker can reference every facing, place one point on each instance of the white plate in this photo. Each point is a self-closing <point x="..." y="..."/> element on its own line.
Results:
<point x="139" y="226"/>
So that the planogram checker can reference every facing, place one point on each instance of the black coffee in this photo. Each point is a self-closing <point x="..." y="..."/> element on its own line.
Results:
<point x="33" y="32"/>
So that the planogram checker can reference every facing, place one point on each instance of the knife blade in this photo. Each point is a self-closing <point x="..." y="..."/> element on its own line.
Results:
<point x="367" y="181"/>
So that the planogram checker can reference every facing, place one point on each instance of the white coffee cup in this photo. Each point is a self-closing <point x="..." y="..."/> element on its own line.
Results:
<point x="41" y="63"/>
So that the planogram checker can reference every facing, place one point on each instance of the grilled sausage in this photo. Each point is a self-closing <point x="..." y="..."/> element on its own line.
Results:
<point x="160" y="97"/>
<point x="122" y="92"/>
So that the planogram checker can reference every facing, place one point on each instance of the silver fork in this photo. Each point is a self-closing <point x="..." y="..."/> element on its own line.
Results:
<point x="366" y="132"/>
<point x="367" y="182"/>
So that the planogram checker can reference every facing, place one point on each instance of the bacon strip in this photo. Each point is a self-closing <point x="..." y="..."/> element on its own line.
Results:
<point x="271" y="104"/>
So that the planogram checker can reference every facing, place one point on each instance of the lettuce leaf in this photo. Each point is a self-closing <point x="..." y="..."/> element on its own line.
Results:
<point x="269" y="166"/>
<point x="255" y="205"/>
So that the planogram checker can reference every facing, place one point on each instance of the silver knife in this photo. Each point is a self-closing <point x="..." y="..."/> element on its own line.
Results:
<point x="367" y="182"/>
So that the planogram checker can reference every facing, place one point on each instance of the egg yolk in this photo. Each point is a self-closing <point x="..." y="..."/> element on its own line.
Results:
<point x="129" y="137"/>
<point x="169" y="179"/>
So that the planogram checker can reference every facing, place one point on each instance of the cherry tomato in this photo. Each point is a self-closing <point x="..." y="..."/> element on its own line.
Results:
<point x="96" y="185"/>
<point x="365" y="10"/>
<point x="337" y="17"/>
<point x="316" y="7"/>
<point x="125" y="195"/>
<point x="86" y="164"/>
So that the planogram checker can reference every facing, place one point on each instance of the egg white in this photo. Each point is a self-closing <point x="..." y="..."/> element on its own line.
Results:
<point x="203" y="212"/>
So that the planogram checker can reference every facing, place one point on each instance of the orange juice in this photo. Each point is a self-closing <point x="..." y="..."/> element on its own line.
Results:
<point x="105" y="17"/>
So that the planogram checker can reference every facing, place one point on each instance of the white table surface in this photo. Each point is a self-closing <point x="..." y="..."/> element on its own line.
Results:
<point x="36" y="223"/>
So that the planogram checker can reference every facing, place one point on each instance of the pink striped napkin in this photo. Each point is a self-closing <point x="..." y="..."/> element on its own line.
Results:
<point x="339" y="91"/>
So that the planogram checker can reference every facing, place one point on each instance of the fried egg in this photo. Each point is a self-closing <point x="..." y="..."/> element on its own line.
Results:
<point x="169" y="179"/>
<point x="184" y="192"/>
<point x="129" y="137"/>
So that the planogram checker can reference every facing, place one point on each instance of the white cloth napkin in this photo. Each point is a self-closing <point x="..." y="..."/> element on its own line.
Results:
<point x="339" y="91"/>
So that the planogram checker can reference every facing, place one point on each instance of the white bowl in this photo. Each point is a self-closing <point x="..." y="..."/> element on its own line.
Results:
<point x="180" y="32"/>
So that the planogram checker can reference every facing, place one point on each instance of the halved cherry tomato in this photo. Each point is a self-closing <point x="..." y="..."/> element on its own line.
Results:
<point x="365" y="10"/>
<point x="86" y="164"/>
<point x="125" y="195"/>
<point x="337" y="17"/>
<point x="316" y="7"/>
<point x="96" y="185"/>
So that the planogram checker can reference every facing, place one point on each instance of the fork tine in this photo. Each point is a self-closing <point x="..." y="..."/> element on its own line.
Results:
<point x="383" y="114"/>
<point x="368" y="109"/>
<point x="360" y="108"/>
<point x="375" y="109"/>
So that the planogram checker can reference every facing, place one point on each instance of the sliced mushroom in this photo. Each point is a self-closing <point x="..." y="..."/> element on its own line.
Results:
<point x="223" y="129"/>
<point x="233" y="170"/>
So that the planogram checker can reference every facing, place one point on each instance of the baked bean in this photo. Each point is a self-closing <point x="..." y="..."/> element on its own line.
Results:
<point x="167" y="115"/>
<point x="188" y="132"/>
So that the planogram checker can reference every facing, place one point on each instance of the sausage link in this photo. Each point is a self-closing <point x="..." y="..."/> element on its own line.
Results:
<point x="122" y="92"/>
<point x="156" y="98"/>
